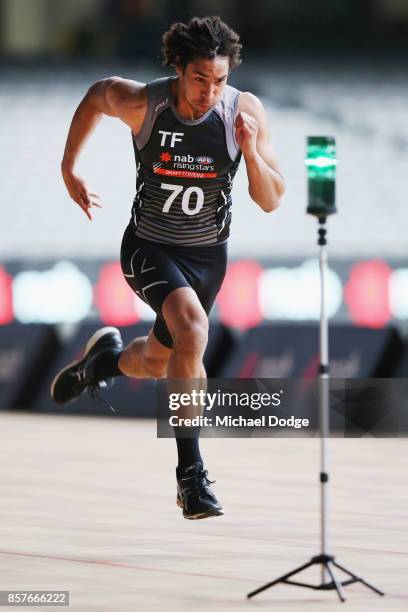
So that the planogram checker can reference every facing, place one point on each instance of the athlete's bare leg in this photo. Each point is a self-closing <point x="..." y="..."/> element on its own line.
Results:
<point x="188" y="326"/>
<point x="145" y="357"/>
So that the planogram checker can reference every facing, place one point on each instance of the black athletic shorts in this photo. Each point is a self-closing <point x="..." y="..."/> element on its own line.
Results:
<point x="153" y="270"/>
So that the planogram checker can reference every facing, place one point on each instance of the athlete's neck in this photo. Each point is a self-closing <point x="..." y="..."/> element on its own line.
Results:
<point x="183" y="107"/>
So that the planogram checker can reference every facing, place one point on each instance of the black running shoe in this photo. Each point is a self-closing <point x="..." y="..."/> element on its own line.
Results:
<point x="72" y="380"/>
<point x="194" y="493"/>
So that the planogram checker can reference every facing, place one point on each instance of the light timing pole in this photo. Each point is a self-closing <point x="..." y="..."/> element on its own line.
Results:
<point x="321" y="165"/>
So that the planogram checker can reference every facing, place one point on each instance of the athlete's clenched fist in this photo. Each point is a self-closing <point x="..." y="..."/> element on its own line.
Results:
<point x="80" y="193"/>
<point x="246" y="130"/>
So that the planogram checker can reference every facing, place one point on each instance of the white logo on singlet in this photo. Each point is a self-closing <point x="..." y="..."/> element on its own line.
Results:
<point x="175" y="137"/>
<point x="161" y="104"/>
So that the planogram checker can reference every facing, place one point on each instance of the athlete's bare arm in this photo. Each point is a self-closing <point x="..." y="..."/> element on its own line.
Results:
<point x="115" y="97"/>
<point x="266" y="185"/>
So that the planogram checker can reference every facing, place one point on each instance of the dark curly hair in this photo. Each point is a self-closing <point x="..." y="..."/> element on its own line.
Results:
<point x="202" y="37"/>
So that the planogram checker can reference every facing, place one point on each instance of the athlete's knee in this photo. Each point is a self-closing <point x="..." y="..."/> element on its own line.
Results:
<point x="190" y="330"/>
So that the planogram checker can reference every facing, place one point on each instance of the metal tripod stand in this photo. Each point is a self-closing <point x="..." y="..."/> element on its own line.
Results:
<point x="327" y="562"/>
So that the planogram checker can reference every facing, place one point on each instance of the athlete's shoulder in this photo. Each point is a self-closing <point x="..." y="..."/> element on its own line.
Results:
<point x="126" y="93"/>
<point x="127" y="100"/>
<point x="159" y="92"/>
<point x="249" y="103"/>
<point x="158" y="99"/>
<point x="161" y="82"/>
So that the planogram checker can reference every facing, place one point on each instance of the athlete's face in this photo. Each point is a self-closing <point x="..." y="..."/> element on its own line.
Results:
<point x="202" y="82"/>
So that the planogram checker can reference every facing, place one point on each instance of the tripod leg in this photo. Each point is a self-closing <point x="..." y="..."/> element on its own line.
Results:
<point x="336" y="583"/>
<point x="281" y="579"/>
<point x="367" y="584"/>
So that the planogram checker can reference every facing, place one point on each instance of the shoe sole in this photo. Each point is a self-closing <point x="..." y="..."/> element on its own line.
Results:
<point x="89" y="345"/>
<point x="201" y="515"/>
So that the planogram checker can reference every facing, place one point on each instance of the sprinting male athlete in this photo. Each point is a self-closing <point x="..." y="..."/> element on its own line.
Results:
<point x="189" y="133"/>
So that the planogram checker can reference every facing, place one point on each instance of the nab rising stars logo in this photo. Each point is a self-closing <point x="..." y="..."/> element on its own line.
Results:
<point x="185" y="166"/>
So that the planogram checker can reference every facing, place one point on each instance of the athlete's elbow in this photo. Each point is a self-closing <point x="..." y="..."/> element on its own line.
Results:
<point x="270" y="206"/>
<point x="268" y="200"/>
<point x="275" y="197"/>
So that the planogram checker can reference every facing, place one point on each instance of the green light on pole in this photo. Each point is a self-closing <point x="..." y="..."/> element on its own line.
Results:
<point x="321" y="165"/>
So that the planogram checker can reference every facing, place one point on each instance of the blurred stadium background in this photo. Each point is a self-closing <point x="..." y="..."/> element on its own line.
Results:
<point x="88" y="503"/>
<point x="329" y="67"/>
